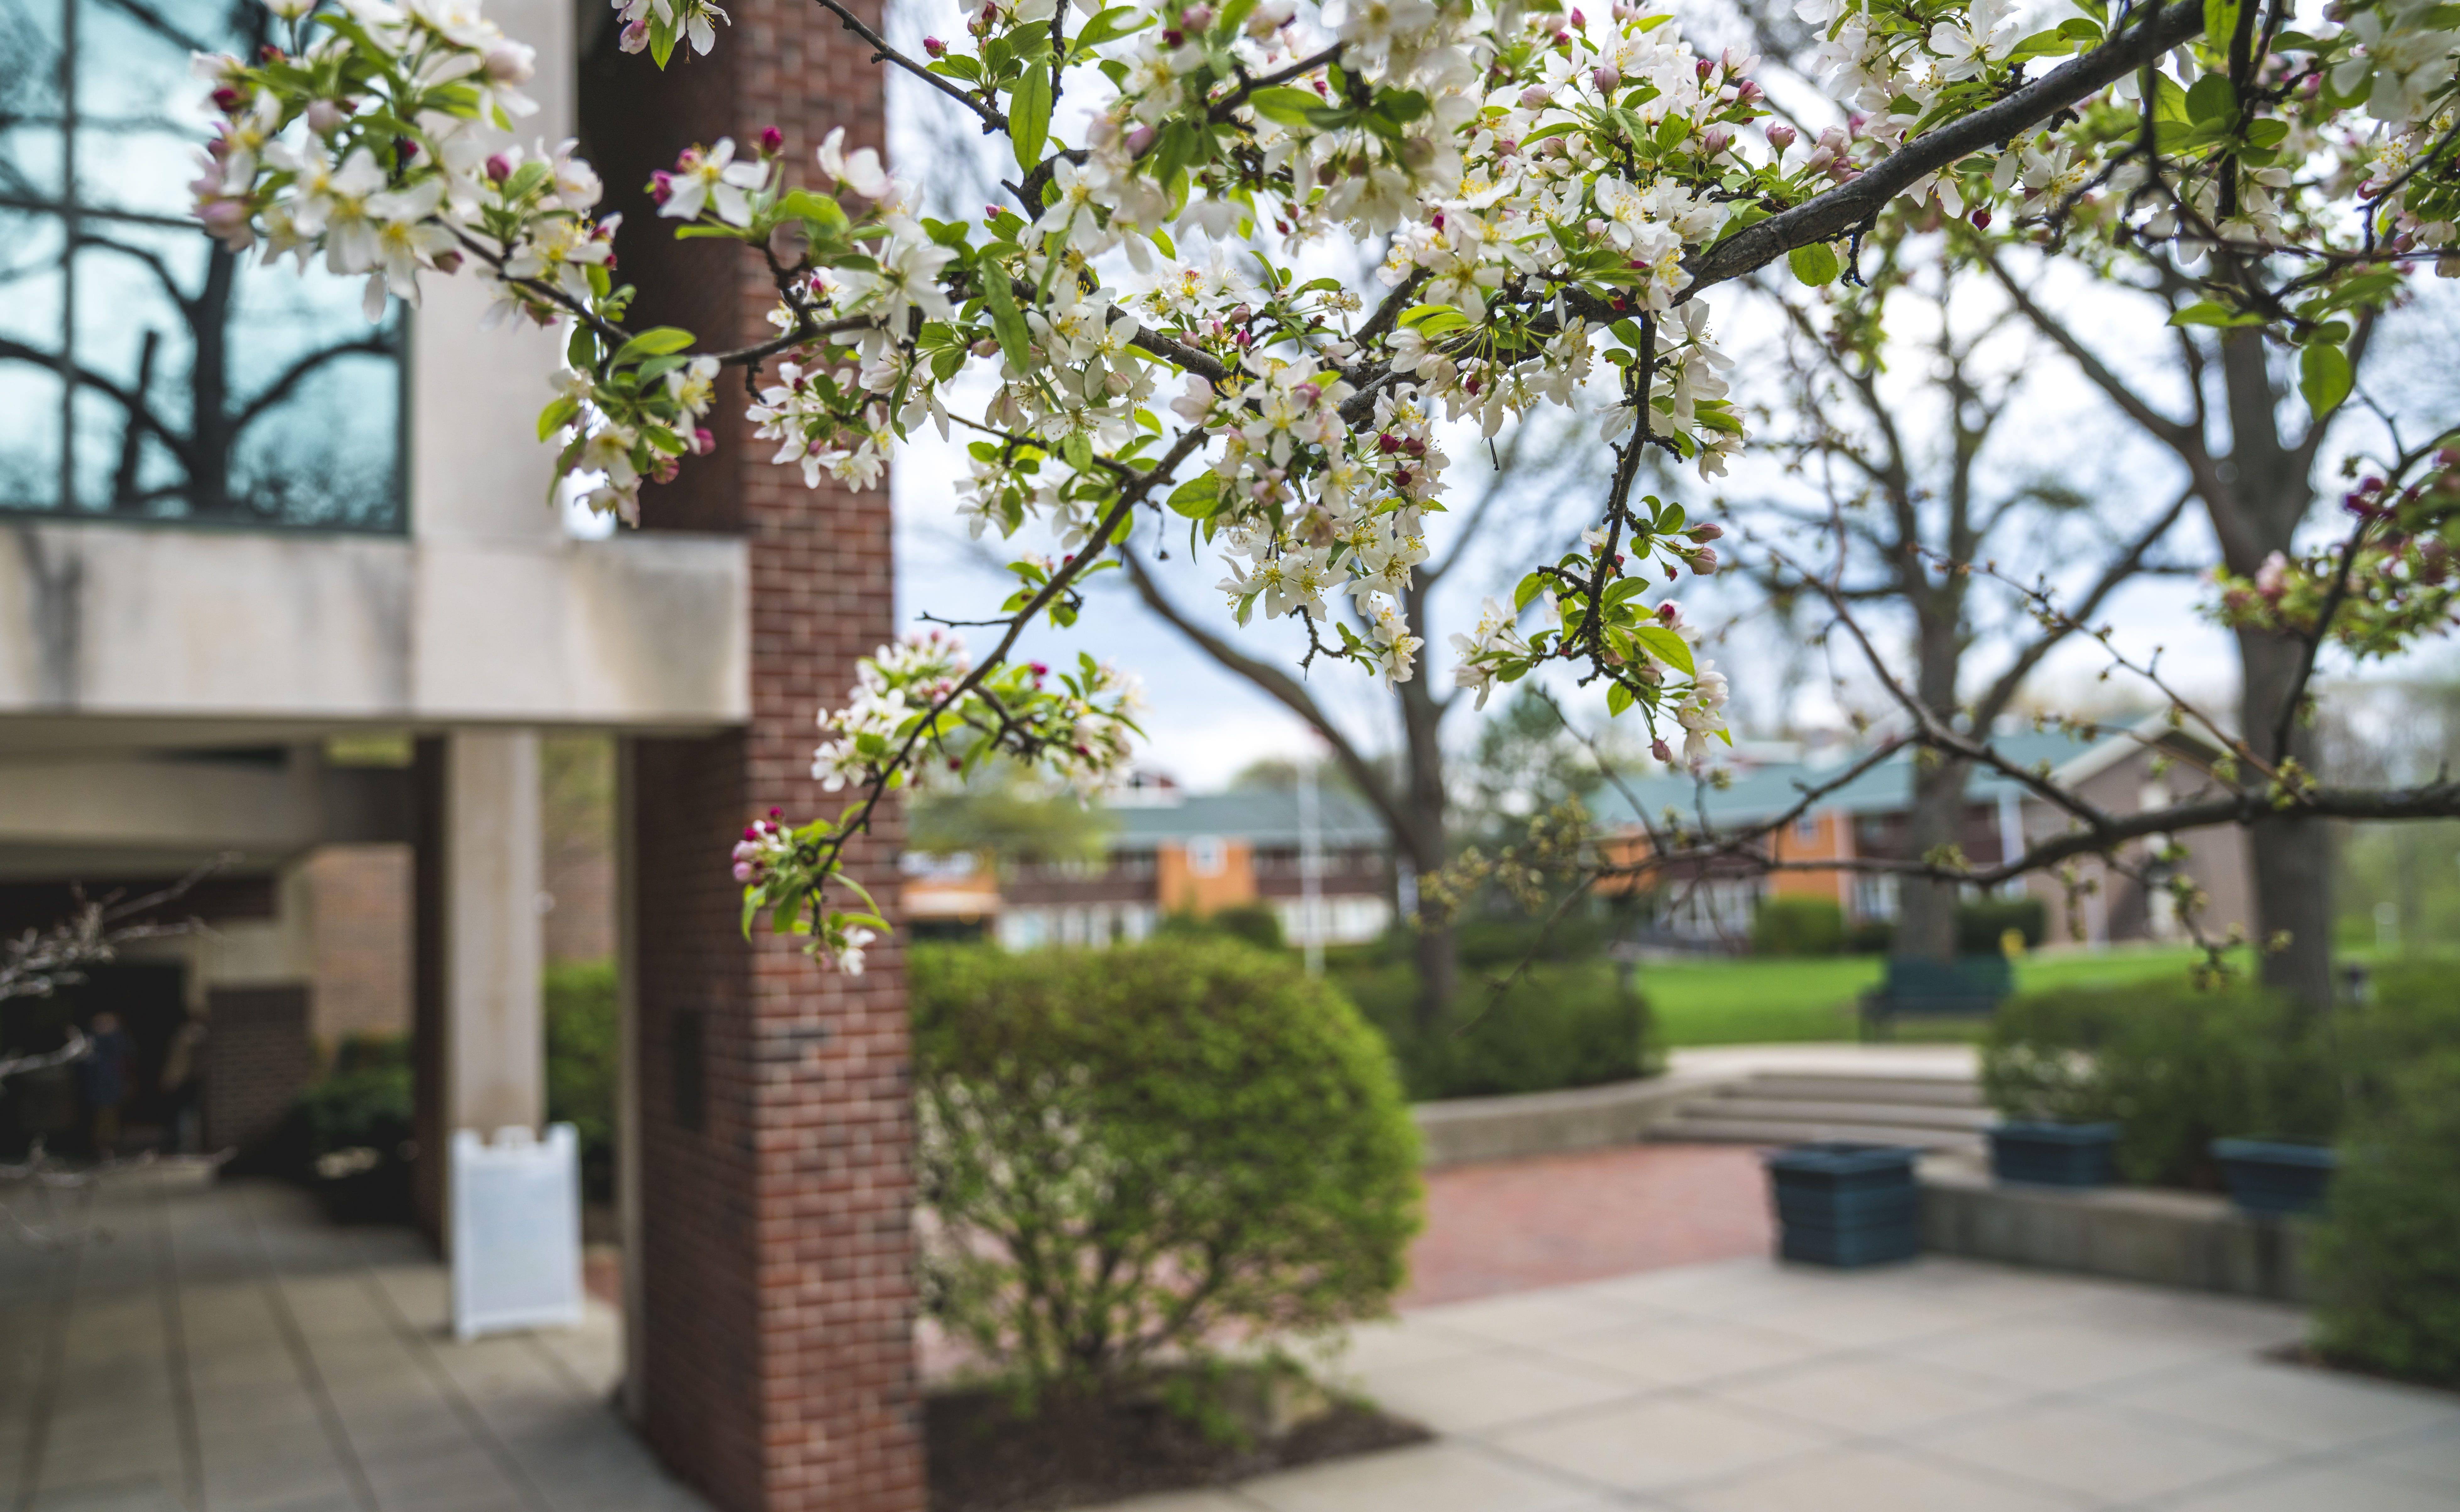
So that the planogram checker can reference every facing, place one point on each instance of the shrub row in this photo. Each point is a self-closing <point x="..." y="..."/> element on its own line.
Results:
<point x="1784" y="925"/>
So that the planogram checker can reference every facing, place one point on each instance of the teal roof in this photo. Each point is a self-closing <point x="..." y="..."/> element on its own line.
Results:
<point x="1258" y="816"/>
<point x="1763" y="791"/>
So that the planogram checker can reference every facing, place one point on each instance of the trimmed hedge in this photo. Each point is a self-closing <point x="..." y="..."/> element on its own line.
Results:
<point x="2388" y="1257"/>
<point x="583" y="1062"/>
<point x="2174" y="1067"/>
<point x="1128" y="1152"/>
<point x="1572" y="1024"/>
<point x="1797" y="926"/>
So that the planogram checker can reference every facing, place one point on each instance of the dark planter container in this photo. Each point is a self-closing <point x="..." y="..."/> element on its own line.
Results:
<point x="2274" y="1175"/>
<point x="2054" y="1154"/>
<point x="1846" y="1204"/>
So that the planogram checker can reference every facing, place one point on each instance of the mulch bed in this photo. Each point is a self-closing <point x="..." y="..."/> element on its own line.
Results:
<point x="985" y="1458"/>
<point x="2313" y="1358"/>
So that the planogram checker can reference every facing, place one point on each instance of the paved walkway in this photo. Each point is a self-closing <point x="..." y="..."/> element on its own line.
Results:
<point x="229" y="1353"/>
<point x="1940" y="1386"/>
<point x="225" y="1351"/>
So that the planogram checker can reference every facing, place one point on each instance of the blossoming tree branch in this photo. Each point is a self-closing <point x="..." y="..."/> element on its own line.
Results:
<point x="1131" y="335"/>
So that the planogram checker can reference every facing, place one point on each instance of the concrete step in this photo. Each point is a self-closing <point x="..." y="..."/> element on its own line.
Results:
<point x="1747" y="1103"/>
<point x="1949" y="1092"/>
<point x="1709" y="1129"/>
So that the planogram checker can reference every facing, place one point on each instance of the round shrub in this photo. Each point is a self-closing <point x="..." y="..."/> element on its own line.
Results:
<point x="1129" y="1153"/>
<point x="2387" y="1258"/>
<point x="1797" y="926"/>
<point x="2177" y="1067"/>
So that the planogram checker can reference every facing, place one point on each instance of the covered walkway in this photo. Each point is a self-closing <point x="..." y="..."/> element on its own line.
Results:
<point x="218" y="1348"/>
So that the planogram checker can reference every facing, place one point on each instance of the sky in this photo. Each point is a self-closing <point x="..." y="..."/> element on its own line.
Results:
<point x="1205" y="723"/>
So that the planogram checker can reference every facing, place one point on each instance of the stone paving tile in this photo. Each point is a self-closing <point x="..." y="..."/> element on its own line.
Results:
<point x="1870" y="1479"/>
<point x="2340" y="1487"/>
<point x="1658" y="1442"/>
<point x="1869" y="1395"/>
<point x="1686" y="1353"/>
<point x="2069" y="1354"/>
<point x="2433" y="1455"/>
<point x="1537" y="1318"/>
<point x="1402" y="1343"/>
<point x="1181" y="1501"/>
<point x="1431" y="1477"/>
<point x="1487" y="1391"/>
<point x="2293" y="1405"/>
<point x="2098" y="1450"/>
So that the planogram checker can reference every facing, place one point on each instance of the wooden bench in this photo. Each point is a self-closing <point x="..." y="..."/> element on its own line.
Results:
<point x="1969" y="987"/>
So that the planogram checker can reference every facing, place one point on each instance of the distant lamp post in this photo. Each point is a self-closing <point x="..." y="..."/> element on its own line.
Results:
<point x="1310" y="869"/>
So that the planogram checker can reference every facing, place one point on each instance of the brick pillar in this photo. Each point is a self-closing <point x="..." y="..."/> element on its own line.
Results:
<point x="775" y="1123"/>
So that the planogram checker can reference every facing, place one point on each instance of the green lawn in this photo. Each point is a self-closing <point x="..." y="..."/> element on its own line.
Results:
<point x="1760" y="1001"/>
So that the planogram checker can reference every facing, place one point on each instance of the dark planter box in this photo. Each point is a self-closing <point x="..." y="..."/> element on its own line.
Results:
<point x="2054" y="1154"/>
<point x="1846" y="1204"/>
<point x="2273" y="1176"/>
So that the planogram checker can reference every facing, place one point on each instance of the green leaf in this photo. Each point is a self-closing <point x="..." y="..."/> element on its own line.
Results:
<point x="1815" y="265"/>
<point x="1283" y="104"/>
<point x="2213" y="103"/>
<point x="1110" y="24"/>
<point x="2212" y="313"/>
<point x="1015" y="337"/>
<point x="1618" y="699"/>
<point x="1527" y="592"/>
<point x="556" y="415"/>
<point x="2324" y="378"/>
<point x="1665" y="645"/>
<point x="1197" y="497"/>
<point x="655" y="342"/>
<point x="825" y="213"/>
<point x="1029" y="116"/>
<point x="2220" y="23"/>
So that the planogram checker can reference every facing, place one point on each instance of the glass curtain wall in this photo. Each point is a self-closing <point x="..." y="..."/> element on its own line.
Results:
<point x="145" y="372"/>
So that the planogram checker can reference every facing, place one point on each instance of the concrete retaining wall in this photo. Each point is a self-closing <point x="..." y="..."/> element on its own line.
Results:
<point x="1466" y="1129"/>
<point x="2175" y="1239"/>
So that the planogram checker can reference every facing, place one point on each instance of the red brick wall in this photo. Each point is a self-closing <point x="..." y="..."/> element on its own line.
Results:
<point x="776" y="1237"/>
<point x="360" y="898"/>
<point x="257" y="1059"/>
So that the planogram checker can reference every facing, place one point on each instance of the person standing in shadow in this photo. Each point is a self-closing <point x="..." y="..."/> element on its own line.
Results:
<point x="106" y="1082"/>
<point x="183" y="1082"/>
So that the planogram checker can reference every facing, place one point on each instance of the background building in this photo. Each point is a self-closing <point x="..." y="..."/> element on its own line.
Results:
<point x="2149" y="766"/>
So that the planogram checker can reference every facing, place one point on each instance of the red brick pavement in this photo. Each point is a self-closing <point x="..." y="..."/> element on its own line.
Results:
<point x="1511" y="1225"/>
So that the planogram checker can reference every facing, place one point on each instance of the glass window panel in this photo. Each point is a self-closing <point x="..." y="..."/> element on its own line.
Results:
<point x="208" y="388"/>
<point x="30" y="100"/>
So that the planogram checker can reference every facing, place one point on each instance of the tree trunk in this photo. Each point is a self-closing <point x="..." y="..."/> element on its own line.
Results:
<point x="2288" y="858"/>
<point x="1925" y="906"/>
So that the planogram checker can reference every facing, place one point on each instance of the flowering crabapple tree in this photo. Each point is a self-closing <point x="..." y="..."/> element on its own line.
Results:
<point x="1559" y="193"/>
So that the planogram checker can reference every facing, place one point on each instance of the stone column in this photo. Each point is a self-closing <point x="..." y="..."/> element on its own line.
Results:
<point x="480" y="1042"/>
<point x="774" y="1115"/>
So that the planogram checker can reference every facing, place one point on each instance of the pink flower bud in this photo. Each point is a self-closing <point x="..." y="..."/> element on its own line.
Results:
<point x="324" y="116"/>
<point x="935" y="47"/>
<point x="228" y="101"/>
<point x="662" y="186"/>
<point x="500" y="168"/>
<point x="1780" y="136"/>
<point x="1536" y="96"/>
<point x="448" y="262"/>
<point x="1606" y="77"/>
<point x="1704" y="68"/>
<point x="1703" y="534"/>
<point x="1140" y="139"/>
<point x="1748" y="93"/>
<point x="703" y="442"/>
<point x="773" y="141"/>
<point x="1505" y="147"/>
<point x="509" y="62"/>
<point x="1197" y="19"/>
<point x="743" y="871"/>
<point x="635" y="38"/>
<point x="1714" y="141"/>
<point x="1981" y="219"/>
<point x="1705" y="561"/>
<point x="1659" y="749"/>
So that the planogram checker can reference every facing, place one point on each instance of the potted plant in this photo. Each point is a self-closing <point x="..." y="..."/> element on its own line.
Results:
<point x="2047" y="1134"/>
<point x="2276" y="1177"/>
<point x="1846" y="1204"/>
